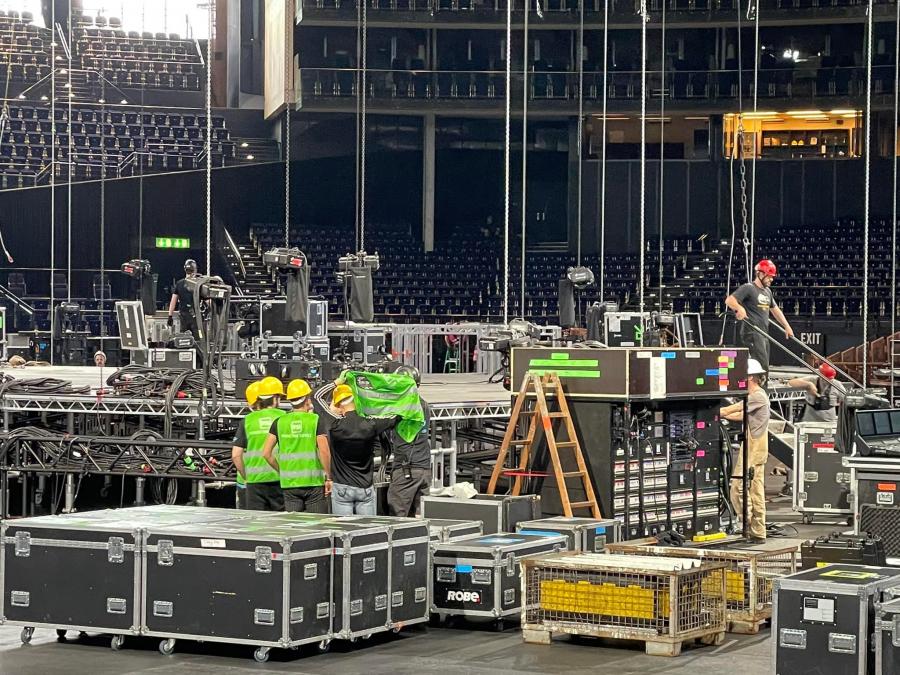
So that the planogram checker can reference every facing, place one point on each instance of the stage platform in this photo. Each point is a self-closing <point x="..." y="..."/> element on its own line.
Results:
<point x="451" y="396"/>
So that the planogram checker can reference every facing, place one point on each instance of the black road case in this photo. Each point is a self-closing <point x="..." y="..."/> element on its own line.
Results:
<point x="361" y="571"/>
<point x="40" y="554"/>
<point x="847" y="549"/>
<point x="584" y="534"/>
<point x="887" y="638"/>
<point x="822" y="483"/>
<point x="498" y="513"/>
<point x="242" y="581"/>
<point x="410" y="567"/>
<point x="480" y="577"/>
<point x="443" y="530"/>
<point x="823" y="619"/>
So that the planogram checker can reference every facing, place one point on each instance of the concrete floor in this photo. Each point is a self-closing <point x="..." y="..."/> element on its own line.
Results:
<point x="472" y="649"/>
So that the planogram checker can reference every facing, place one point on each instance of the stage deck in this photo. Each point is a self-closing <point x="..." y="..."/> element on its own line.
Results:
<point x="451" y="396"/>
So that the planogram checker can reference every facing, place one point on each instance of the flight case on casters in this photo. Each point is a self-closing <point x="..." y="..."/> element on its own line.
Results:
<point x="887" y="638"/>
<point x="480" y="577"/>
<point x="409" y="569"/>
<point x="241" y="581"/>
<point x="40" y="554"/>
<point x="823" y="619"/>
<point x="589" y="535"/>
<point x="821" y="482"/>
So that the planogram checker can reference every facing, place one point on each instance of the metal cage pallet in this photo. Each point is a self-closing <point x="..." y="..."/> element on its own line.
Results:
<point x="662" y="602"/>
<point x="749" y="577"/>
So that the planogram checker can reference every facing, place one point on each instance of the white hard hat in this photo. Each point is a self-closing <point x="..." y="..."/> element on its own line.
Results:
<point x="754" y="367"/>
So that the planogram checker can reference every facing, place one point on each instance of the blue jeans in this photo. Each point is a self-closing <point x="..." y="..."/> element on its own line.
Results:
<point x="347" y="500"/>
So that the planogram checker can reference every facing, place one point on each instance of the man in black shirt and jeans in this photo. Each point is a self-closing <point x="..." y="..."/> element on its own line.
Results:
<point x="352" y="439"/>
<point x="411" y="473"/>
<point x="183" y="298"/>
<point x="752" y="302"/>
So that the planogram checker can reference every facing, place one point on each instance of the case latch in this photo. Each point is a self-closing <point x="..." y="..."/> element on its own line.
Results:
<point x="263" y="559"/>
<point x="116" y="550"/>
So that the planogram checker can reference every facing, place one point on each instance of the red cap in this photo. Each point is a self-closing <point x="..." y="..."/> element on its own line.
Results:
<point x="827" y="371"/>
<point x="767" y="267"/>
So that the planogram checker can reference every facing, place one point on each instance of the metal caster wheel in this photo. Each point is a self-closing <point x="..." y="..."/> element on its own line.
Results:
<point x="396" y="629"/>
<point x="116" y="642"/>
<point x="807" y="520"/>
<point x="353" y="640"/>
<point x="261" y="655"/>
<point x="26" y="635"/>
<point x="324" y="646"/>
<point x="61" y="634"/>
<point x="499" y="625"/>
<point x="166" y="647"/>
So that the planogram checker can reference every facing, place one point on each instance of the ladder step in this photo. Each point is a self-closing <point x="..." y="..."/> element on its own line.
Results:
<point x="581" y="505"/>
<point x="557" y="415"/>
<point x="572" y="474"/>
<point x="566" y="444"/>
<point x="520" y="441"/>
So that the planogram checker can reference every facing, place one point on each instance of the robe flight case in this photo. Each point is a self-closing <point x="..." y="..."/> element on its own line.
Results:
<point x="589" y="535"/>
<point x="480" y="577"/>
<point x="823" y="619"/>
<point x="40" y="554"/>
<point x="498" y="513"/>
<point x="245" y="581"/>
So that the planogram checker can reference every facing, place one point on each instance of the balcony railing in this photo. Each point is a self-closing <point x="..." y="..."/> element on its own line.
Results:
<point x="558" y="8"/>
<point x="702" y="85"/>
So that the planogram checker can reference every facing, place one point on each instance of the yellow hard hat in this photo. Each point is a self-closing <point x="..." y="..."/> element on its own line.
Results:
<point x="298" y="389"/>
<point x="270" y="386"/>
<point x="252" y="393"/>
<point x="341" y="392"/>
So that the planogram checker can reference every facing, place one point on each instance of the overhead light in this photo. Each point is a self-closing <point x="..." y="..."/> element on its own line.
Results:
<point x="244" y="144"/>
<point x="43" y="98"/>
<point x="851" y="115"/>
<point x="250" y="157"/>
<point x="22" y="96"/>
<point x="123" y="102"/>
<point x="760" y="113"/>
<point x="67" y="85"/>
<point x="849" y="111"/>
<point x="102" y="100"/>
<point x="803" y="113"/>
<point x="62" y="72"/>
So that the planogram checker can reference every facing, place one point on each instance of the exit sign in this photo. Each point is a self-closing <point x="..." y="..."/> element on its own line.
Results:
<point x="173" y="242"/>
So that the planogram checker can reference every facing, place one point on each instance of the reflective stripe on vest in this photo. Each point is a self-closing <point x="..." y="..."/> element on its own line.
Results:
<point x="298" y="456"/>
<point x="257" y="425"/>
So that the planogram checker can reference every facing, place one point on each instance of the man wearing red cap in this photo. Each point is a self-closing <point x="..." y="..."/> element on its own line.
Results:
<point x="822" y="396"/>
<point x="753" y="302"/>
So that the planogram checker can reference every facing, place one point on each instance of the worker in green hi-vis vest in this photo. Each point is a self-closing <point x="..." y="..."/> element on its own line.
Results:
<point x="263" y="488"/>
<point x="303" y="459"/>
<point x="240" y="493"/>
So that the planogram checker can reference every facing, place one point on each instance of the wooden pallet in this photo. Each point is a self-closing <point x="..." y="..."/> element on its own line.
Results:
<point x="743" y="627"/>
<point x="659" y="645"/>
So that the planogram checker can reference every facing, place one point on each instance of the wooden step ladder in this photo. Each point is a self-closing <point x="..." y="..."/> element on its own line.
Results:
<point x="536" y="384"/>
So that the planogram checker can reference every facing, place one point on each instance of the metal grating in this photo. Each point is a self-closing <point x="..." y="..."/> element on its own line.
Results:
<point x="637" y="598"/>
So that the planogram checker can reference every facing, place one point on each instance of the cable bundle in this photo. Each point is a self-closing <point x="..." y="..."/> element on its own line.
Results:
<point x="40" y="386"/>
<point x="142" y="382"/>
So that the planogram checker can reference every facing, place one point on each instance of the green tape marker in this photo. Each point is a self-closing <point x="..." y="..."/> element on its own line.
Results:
<point x="699" y="381"/>
<point x="591" y="374"/>
<point x="567" y="363"/>
<point x="559" y="355"/>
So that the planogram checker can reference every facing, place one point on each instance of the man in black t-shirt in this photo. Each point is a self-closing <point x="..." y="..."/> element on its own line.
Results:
<point x="352" y="439"/>
<point x="753" y="302"/>
<point x="411" y="472"/>
<point x="183" y="298"/>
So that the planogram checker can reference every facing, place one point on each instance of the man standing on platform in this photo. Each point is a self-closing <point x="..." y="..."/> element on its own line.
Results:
<point x="303" y="460"/>
<point x="752" y="302"/>
<point x="263" y="486"/>
<point x="758" y="453"/>
<point x="183" y="299"/>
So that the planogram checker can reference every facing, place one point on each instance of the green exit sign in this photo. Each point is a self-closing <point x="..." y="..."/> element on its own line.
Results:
<point x="173" y="242"/>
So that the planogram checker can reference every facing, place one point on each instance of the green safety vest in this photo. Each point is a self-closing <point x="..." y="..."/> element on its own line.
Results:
<point x="257" y="425"/>
<point x="298" y="455"/>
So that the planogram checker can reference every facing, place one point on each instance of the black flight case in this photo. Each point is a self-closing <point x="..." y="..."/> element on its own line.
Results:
<point x="823" y="619"/>
<point x="589" y="535"/>
<point x="479" y="577"/>
<point x="498" y="513"/>
<point x="443" y="530"/>
<point x="244" y="581"/>
<point x="887" y="638"/>
<point x="81" y="571"/>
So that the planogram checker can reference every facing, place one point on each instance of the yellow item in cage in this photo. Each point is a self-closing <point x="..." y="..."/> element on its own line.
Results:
<point x="713" y="536"/>
<point x="583" y="597"/>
